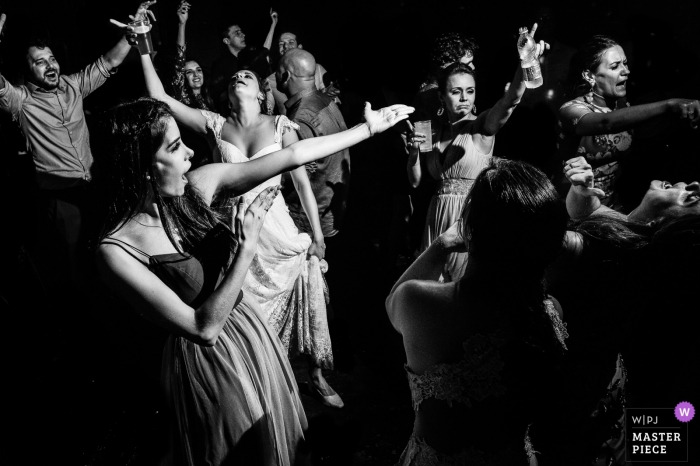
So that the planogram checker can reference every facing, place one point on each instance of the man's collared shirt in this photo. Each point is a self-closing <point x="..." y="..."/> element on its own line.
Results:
<point x="53" y="124"/>
<point x="317" y="115"/>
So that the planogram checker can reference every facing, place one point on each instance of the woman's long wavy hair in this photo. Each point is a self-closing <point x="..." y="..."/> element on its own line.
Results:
<point x="515" y="226"/>
<point x="131" y="134"/>
<point x="588" y="58"/>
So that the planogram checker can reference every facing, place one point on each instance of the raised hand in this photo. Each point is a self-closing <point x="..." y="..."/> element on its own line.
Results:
<point x="248" y="222"/>
<point x="273" y="16"/>
<point x="142" y="13"/>
<point x="528" y="48"/>
<point x="384" y="118"/>
<point x="183" y="12"/>
<point x="3" y="17"/>
<point x="580" y="173"/>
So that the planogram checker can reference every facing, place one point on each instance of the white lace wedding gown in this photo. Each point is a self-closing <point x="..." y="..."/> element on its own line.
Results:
<point x="291" y="290"/>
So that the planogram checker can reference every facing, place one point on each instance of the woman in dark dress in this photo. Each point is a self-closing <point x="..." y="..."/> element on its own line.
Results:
<point x="226" y="376"/>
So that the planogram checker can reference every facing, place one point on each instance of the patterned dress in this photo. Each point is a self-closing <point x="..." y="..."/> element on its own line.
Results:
<point x="602" y="151"/>
<point x="472" y="382"/>
<point x="455" y="170"/>
<point x="290" y="288"/>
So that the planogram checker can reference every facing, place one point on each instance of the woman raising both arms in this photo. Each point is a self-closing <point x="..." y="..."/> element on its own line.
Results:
<point x="462" y="148"/>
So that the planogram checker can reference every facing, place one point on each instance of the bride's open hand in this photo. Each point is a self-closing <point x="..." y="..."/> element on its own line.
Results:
<point x="384" y="118"/>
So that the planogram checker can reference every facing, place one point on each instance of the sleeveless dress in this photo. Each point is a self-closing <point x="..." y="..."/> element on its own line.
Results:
<point x="290" y="288"/>
<point x="602" y="151"/>
<point x="456" y="174"/>
<point x="475" y="378"/>
<point x="236" y="402"/>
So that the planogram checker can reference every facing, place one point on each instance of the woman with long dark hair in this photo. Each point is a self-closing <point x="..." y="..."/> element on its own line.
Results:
<point x="480" y="350"/>
<point x="461" y="149"/>
<point x="597" y="124"/>
<point x="287" y="274"/>
<point x="625" y="281"/>
<point x="225" y="373"/>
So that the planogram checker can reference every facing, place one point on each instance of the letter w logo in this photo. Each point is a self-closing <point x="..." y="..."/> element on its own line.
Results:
<point x="684" y="411"/>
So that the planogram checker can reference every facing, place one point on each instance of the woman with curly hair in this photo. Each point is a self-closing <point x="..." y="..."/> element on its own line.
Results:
<point x="597" y="124"/>
<point x="462" y="147"/>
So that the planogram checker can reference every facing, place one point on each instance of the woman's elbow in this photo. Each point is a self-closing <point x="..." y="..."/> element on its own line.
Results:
<point x="206" y="337"/>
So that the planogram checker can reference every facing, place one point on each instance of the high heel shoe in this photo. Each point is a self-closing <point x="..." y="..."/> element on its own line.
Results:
<point x="332" y="401"/>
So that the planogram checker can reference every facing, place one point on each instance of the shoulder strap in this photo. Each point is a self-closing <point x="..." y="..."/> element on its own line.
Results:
<point x="282" y="125"/>
<point x="121" y="244"/>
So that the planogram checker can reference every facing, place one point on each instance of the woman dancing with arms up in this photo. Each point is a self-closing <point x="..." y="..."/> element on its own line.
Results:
<point x="286" y="275"/>
<point x="461" y="149"/>
<point x="226" y="376"/>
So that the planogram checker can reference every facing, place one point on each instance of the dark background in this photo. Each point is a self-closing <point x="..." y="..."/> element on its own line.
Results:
<point x="83" y="382"/>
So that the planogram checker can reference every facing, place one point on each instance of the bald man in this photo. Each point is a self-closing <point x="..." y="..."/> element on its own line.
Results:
<point x="317" y="115"/>
<point x="287" y="41"/>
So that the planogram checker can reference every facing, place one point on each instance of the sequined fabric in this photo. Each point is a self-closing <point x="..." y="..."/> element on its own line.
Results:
<point x="455" y="186"/>
<point x="419" y="453"/>
<point x="474" y="378"/>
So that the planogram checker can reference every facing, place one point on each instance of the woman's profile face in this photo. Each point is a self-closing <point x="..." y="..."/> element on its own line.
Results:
<point x="194" y="75"/>
<point x="459" y="95"/>
<point x="244" y="85"/>
<point x="610" y="79"/>
<point x="171" y="162"/>
<point x="666" y="199"/>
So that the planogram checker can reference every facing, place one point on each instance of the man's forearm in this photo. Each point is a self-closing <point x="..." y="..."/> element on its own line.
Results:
<point x="117" y="54"/>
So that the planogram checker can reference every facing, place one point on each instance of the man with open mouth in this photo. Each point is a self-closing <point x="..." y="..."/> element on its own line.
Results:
<point x="49" y="112"/>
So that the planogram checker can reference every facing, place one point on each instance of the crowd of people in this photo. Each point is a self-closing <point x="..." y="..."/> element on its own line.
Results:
<point x="214" y="207"/>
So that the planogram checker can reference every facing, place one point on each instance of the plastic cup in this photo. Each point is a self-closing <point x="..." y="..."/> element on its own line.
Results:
<point x="143" y="36"/>
<point x="423" y="127"/>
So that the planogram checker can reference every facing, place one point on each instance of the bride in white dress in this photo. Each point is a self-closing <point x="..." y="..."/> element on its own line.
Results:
<point x="286" y="275"/>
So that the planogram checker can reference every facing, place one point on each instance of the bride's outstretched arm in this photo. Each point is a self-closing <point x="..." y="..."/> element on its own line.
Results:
<point x="240" y="178"/>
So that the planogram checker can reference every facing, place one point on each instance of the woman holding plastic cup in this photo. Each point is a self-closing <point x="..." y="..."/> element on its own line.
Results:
<point x="460" y="149"/>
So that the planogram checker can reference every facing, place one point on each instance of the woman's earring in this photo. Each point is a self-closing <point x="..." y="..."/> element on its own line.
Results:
<point x="148" y="177"/>
<point x="474" y="109"/>
<point x="441" y="110"/>
<point x="589" y="97"/>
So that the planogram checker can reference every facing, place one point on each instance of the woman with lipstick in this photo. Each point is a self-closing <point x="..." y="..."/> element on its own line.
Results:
<point x="598" y="123"/>
<point x="461" y="149"/>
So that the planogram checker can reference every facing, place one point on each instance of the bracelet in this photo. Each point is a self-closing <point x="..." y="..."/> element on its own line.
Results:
<point x="368" y="129"/>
